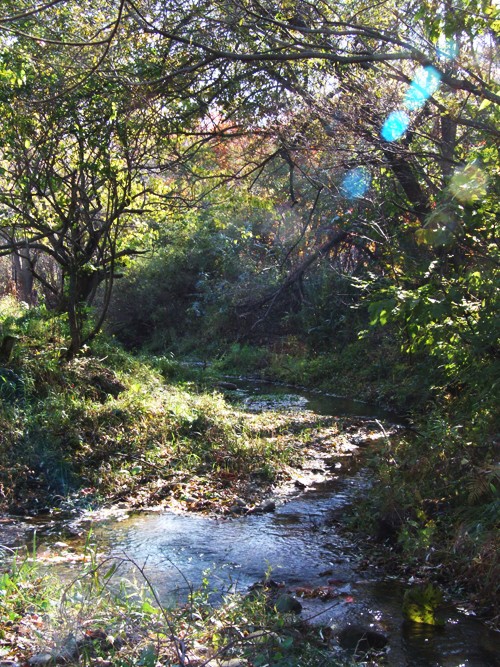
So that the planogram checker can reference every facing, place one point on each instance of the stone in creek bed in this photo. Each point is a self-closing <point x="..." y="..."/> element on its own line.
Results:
<point x="227" y="385"/>
<point x="238" y="509"/>
<point x="41" y="660"/>
<point x="360" y="639"/>
<point x="264" y="506"/>
<point x="60" y="545"/>
<point x="286" y="604"/>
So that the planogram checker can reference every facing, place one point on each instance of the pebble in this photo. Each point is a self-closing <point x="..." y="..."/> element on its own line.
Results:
<point x="41" y="659"/>
<point x="362" y="639"/>
<point x="265" y="506"/>
<point x="287" y="604"/>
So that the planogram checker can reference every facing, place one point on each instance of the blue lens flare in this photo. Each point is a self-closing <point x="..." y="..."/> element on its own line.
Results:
<point x="425" y="83"/>
<point x="356" y="182"/>
<point x="395" y="125"/>
<point x="447" y="48"/>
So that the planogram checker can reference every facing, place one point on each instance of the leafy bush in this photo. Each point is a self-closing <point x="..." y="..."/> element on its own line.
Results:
<point x="437" y="501"/>
<point x="244" y="359"/>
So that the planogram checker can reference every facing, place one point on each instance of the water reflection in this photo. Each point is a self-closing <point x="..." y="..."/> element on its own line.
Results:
<point x="177" y="547"/>
<point x="302" y="547"/>
<point x="268" y="396"/>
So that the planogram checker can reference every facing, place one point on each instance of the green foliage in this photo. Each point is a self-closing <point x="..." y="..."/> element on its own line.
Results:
<point x="217" y="146"/>
<point x="201" y="263"/>
<point x="244" y="359"/>
<point x="420" y="605"/>
<point x="23" y="591"/>
<point x="445" y="307"/>
<point x="11" y="385"/>
<point x="95" y="617"/>
<point x="436" y="503"/>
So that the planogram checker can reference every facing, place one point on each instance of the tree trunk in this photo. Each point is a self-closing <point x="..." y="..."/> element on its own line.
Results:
<point x="74" y="317"/>
<point x="22" y="274"/>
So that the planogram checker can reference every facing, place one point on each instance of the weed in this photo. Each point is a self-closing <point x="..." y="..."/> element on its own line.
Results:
<point x="110" y="612"/>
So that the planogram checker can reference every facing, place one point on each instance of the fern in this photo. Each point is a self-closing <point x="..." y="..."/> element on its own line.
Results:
<point x="484" y="483"/>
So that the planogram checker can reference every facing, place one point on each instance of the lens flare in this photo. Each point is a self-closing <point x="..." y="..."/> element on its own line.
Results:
<point x="447" y="48"/>
<point x="425" y="83"/>
<point x="356" y="182"/>
<point x="468" y="184"/>
<point x="395" y="125"/>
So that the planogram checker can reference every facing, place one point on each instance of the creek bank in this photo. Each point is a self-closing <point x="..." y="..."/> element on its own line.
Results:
<point x="319" y="445"/>
<point x="322" y="570"/>
<point x="342" y="599"/>
<point x="334" y="580"/>
<point x="332" y="447"/>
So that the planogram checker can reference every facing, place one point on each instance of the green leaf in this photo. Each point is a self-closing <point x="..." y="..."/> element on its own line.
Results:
<point x="110" y="572"/>
<point x="484" y="104"/>
<point x="148" y="608"/>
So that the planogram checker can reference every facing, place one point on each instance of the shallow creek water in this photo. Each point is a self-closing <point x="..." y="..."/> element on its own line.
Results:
<point x="301" y="546"/>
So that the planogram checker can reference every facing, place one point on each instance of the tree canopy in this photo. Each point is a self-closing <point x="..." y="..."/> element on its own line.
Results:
<point x="377" y="124"/>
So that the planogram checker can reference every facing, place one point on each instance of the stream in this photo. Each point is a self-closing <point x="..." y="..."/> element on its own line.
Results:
<point x="298" y="542"/>
<point x="299" y="545"/>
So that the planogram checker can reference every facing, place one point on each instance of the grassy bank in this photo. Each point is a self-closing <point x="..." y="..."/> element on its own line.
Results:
<point x="434" y="512"/>
<point x="153" y="443"/>
<point x="108" y="426"/>
<point x="371" y="370"/>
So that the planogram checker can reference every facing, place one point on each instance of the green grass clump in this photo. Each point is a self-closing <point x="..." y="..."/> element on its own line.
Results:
<point x="110" y="612"/>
